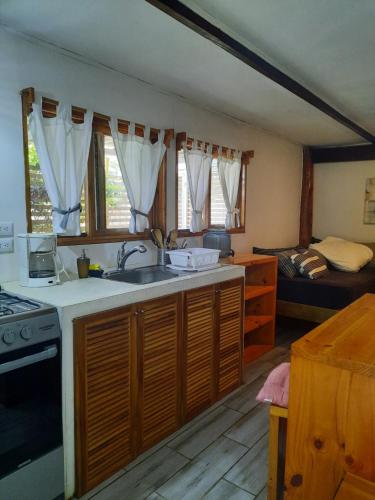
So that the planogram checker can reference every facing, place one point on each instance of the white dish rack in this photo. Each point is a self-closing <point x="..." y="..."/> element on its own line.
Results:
<point x="194" y="258"/>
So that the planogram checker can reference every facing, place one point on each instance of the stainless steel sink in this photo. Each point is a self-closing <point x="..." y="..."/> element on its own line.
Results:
<point x="144" y="275"/>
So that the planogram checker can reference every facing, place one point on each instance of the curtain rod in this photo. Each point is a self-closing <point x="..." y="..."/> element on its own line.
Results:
<point x="29" y="93"/>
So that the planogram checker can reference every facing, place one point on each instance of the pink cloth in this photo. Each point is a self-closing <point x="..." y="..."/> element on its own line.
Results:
<point x="276" y="388"/>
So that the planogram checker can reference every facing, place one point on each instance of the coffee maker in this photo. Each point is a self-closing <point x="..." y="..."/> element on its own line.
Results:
<point x="37" y="259"/>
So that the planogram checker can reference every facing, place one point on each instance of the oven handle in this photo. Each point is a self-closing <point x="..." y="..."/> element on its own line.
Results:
<point x="48" y="353"/>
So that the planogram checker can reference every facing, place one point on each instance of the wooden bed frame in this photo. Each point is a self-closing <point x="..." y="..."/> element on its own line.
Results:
<point x="303" y="311"/>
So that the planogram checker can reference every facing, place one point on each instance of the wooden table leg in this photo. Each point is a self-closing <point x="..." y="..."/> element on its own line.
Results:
<point x="277" y="426"/>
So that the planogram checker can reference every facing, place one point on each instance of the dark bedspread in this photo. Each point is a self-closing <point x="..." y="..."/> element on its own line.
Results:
<point x="335" y="291"/>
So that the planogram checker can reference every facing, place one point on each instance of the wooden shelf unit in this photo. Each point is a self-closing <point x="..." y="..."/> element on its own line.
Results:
<point x="260" y="303"/>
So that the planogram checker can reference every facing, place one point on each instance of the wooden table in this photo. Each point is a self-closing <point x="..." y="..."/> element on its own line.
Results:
<point x="331" y="415"/>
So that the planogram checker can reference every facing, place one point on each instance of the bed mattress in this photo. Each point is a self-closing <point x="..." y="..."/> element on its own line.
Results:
<point x="335" y="291"/>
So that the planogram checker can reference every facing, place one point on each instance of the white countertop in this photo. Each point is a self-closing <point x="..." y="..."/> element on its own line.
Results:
<point x="87" y="296"/>
<point x="76" y="292"/>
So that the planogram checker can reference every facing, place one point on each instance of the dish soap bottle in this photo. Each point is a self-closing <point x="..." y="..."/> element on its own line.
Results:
<point x="83" y="264"/>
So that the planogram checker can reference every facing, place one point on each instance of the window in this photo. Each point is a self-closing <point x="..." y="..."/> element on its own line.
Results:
<point x="217" y="205"/>
<point x="105" y="211"/>
<point x="215" y="211"/>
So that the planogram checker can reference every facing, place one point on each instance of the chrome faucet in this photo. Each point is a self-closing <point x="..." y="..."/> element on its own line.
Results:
<point x="122" y="255"/>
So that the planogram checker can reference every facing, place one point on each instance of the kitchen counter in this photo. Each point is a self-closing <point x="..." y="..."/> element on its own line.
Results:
<point x="82" y="297"/>
<point x="77" y="293"/>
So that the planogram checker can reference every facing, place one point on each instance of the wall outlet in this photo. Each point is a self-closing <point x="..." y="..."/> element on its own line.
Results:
<point x="6" y="245"/>
<point x="6" y="229"/>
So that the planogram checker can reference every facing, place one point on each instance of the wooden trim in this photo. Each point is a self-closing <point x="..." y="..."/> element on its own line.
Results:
<point x="27" y="96"/>
<point x="305" y="312"/>
<point x="200" y="25"/>
<point x="306" y="211"/>
<point x="362" y="152"/>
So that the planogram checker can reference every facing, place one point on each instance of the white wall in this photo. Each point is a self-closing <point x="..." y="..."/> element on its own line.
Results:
<point x="274" y="175"/>
<point x="339" y="197"/>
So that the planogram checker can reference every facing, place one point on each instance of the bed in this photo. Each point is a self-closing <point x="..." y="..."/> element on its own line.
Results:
<point x="317" y="300"/>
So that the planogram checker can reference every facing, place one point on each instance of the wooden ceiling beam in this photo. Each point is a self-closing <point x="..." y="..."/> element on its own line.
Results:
<point x="199" y="24"/>
<point x="363" y="152"/>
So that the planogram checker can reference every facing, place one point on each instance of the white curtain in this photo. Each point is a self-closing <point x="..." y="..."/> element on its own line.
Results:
<point x="139" y="162"/>
<point x="198" y="166"/>
<point x="229" y="174"/>
<point x="63" y="148"/>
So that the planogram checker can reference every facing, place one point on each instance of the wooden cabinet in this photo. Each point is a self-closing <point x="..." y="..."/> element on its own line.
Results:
<point x="198" y="350"/>
<point x="229" y="317"/>
<point x="158" y="370"/>
<point x="260" y="303"/>
<point x="212" y="346"/>
<point x="104" y="407"/>
<point x="142" y="371"/>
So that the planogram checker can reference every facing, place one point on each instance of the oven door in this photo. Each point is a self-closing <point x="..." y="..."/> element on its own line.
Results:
<point x="30" y="404"/>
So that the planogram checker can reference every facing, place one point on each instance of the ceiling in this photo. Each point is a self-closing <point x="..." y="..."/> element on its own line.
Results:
<point x="327" y="46"/>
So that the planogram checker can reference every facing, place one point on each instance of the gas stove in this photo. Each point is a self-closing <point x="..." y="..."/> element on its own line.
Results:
<point x="24" y="322"/>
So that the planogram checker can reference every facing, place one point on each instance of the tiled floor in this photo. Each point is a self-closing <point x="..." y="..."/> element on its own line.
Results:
<point x="221" y="454"/>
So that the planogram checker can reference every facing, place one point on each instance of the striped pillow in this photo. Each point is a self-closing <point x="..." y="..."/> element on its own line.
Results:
<point x="285" y="265"/>
<point x="310" y="264"/>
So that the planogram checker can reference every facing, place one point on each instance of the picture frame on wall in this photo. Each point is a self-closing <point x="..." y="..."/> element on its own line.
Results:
<point x="369" y="212"/>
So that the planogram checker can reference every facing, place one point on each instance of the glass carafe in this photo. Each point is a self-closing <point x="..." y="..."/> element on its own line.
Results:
<point x="42" y="264"/>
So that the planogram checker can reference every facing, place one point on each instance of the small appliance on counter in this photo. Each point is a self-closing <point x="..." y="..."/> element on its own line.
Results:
<point x="37" y="259"/>
<point x="218" y="240"/>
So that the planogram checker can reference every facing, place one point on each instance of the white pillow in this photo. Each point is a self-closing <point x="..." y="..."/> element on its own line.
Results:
<point x="344" y="255"/>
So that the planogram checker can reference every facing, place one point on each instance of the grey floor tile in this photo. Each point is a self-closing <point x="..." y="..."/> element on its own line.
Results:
<point x="251" y="427"/>
<point x="224" y="491"/>
<point x="154" y="496"/>
<point x="145" y="478"/>
<point x="197" y="478"/>
<point x="103" y="485"/>
<point x="202" y="432"/>
<point x="277" y="355"/>
<point x="244" y="400"/>
<point x="255" y="369"/>
<point x="263" y="495"/>
<point x="250" y="473"/>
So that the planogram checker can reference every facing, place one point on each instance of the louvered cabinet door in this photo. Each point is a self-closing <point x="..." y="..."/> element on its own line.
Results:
<point x="103" y="402"/>
<point x="159" y="369"/>
<point x="198" y="350"/>
<point x="229" y="310"/>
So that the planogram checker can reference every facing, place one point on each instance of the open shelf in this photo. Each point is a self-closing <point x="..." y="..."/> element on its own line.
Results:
<point x="252" y="291"/>
<point x="253" y="322"/>
<point x="254" y="351"/>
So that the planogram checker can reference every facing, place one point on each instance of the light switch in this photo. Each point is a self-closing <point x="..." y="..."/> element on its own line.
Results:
<point x="6" y="229"/>
<point x="6" y="245"/>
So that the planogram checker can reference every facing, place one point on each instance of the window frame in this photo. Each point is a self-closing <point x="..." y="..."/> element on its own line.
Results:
<point x="181" y="138"/>
<point x="94" y="234"/>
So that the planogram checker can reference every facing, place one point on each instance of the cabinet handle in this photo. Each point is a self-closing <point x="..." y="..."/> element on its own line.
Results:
<point x="217" y="291"/>
<point x="136" y="313"/>
<point x="142" y="311"/>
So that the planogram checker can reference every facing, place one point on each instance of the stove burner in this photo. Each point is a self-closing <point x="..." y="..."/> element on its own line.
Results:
<point x="14" y="305"/>
<point x="5" y="311"/>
